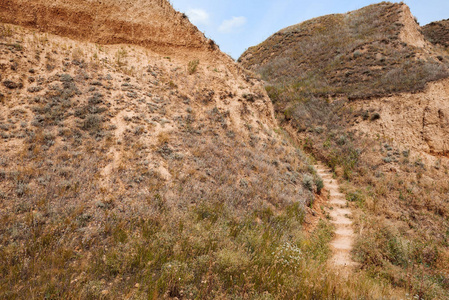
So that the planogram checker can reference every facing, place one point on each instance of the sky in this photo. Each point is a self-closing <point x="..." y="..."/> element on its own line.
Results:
<point x="236" y="25"/>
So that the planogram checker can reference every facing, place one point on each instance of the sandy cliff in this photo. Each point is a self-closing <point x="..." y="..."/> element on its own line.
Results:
<point x="419" y="120"/>
<point x="153" y="24"/>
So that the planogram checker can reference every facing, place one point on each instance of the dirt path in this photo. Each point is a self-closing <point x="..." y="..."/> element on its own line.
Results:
<point x="340" y="217"/>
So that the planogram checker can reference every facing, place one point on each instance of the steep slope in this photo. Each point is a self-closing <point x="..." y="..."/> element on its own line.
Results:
<point x="368" y="95"/>
<point x="145" y="172"/>
<point x="437" y="32"/>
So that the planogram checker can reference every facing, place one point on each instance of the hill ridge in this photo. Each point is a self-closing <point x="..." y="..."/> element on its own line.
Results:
<point x="437" y="32"/>
<point x="358" y="55"/>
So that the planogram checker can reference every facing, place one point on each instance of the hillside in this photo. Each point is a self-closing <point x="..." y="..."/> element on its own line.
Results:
<point x="367" y="93"/>
<point x="374" y="51"/>
<point x="437" y="32"/>
<point x="152" y="168"/>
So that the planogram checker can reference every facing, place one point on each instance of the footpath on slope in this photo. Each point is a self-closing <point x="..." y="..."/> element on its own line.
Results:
<point x="344" y="234"/>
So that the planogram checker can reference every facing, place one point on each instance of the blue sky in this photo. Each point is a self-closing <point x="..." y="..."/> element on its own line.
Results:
<point x="236" y="25"/>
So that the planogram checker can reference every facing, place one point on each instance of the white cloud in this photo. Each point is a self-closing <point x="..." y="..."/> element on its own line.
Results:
<point x="198" y="16"/>
<point x="229" y="25"/>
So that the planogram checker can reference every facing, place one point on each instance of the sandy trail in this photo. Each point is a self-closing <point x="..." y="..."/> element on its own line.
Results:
<point x="340" y="217"/>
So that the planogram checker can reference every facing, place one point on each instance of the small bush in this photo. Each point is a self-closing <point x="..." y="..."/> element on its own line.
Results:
<point x="308" y="182"/>
<point x="319" y="185"/>
<point x="387" y="159"/>
<point x="92" y="123"/>
<point x="375" y="116"/>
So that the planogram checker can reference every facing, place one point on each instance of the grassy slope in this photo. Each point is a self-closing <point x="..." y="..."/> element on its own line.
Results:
<point x="354" y="55"/>
<point x="437" y="32"/>
<point x="401" y="203"/>
<point x="122" y="175"/>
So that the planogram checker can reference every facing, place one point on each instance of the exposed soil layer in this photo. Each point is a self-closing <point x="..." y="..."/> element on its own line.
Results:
<point x="153" y="24"/>
<point x="423" y="118"/>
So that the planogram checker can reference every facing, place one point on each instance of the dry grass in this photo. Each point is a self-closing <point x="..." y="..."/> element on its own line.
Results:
<point x="356" y="55"/>
<point x="115" y="185"/>
<point x="400" y="203"/>
<point x="192" y="66"/>
<point x="437" y="32"/>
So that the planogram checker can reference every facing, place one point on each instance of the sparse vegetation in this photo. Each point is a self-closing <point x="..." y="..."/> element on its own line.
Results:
<point x="400" y="204"/>
<point x="438" y="34"/>
<point x="122" y="185"/>
<point x="355" y="56"/>
<point x="384" y="200"/>
<point x="119" y="180"/>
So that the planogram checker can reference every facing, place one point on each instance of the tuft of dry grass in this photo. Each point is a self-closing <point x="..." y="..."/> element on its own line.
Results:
<point x="192" y="66"/>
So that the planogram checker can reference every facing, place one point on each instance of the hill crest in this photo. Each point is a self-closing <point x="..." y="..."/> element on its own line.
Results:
<point x="366" y="53"/>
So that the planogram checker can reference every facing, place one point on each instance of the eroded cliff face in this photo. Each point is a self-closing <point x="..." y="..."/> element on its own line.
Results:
<point x="419" y="120"/>
<point x="410" y="32"/>
<point x="153" y="24"/>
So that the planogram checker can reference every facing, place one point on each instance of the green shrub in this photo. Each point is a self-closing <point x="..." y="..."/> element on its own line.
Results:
<point x="308" y="182"/>
<point x="319" y="185"/>
<point x="356" y="196"/>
